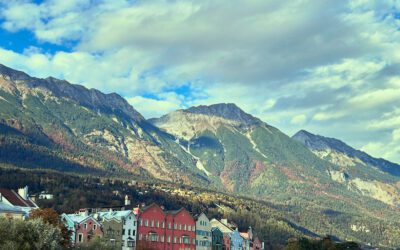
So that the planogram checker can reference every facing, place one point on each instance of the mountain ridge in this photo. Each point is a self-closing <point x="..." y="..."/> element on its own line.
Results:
<point x="50" y="124"/>
<point x="320" y="143"/>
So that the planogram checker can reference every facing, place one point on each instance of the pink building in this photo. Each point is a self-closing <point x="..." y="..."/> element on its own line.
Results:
<point x="84" y="227"/>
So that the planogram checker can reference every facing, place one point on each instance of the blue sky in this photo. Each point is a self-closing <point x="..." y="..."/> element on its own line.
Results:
<point x="330" y="67"/>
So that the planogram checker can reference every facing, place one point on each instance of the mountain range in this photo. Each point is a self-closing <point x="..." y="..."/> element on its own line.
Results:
<point x="52" y="124"/>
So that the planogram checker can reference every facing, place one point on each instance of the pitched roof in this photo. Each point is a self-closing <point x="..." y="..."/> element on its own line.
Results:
<point x="115" y="214"/>
<point x="174" y="212"/>
<point x="224" y="228"/>
<point x="15" y="199"/>
<point x="4" y="208"/>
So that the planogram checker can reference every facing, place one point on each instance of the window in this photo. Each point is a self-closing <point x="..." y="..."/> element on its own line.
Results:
<point x="184" y="227"/>
<point x="185" y="240"/>
<point x="175" y="226"/>
<point x="146" y="223"/>
<point x="131" y="243"/>
<point x="94" y="227"/>
<point x="189" y="228"/>
<point x="163" y="224"/>
<point x="140" y="222"/>
<point x="80" y="237"/>
<point x="152" y="223"/>
<point x="157" y="224"/>
<point x="193" y="228"/>
<point x="169" y="239"/>
<point x="180" y="226"/>
<point x="162" y="238"/>
<point x="174" y="239"/>
<point x="123" y="231"/>
<point x="85" y="226"/>
<point x="194" y="241"/>
<point x="153" y="237"/>
<point x="169" y="225"/>
<point x="140" y="236"/>
<point x="133" y="232"/>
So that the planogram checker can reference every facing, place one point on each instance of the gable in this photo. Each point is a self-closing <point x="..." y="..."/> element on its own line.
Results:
<point x="15" y="199"/>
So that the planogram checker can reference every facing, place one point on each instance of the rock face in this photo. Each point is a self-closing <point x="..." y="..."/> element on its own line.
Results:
<point x="376" y="178"/>
<point x="87" y="129"/>
<point x="52" y="124"/>
<point x="328" y="147"/>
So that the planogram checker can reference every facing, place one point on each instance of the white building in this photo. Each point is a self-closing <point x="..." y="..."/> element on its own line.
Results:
<point x="203" y="233"/>
<point x="19" y="200"/>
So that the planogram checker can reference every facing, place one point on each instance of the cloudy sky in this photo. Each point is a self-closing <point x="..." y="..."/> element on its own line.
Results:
<point x="331" y="67"/>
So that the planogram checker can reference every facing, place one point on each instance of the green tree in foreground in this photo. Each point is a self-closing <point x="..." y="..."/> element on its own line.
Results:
<point x="51" y="217"/>
<point x="28" y="235"/>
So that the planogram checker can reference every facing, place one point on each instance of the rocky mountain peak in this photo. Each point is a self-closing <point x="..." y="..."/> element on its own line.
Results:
<point x="321" y="143"/>
<point x="227" y="111"/>
<point x="12" y="73"/>
<point x="90" y="98"/>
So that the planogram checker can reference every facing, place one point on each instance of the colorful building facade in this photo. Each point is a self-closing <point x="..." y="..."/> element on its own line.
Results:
<point x="84" y="227"/>
<point x="217" y="239"/>
<point x="120" y="228"/>
<point x="203" y="233"/>
<point x="167" y="230"/>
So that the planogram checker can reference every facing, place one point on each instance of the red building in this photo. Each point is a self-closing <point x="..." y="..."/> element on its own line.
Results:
<point x="257" y="244"/>
<point x="226" y="242"/>
<point x="166" y="230"/>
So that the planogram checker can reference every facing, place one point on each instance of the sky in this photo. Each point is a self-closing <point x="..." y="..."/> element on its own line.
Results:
<point x="330" y="67"/>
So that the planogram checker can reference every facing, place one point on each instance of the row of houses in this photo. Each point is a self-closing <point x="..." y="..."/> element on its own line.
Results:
<point x="148" y="227"/>
<point x="152" y="227"/>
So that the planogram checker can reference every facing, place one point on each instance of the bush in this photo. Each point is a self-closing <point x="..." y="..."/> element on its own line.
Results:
<point x="28" y="235"/>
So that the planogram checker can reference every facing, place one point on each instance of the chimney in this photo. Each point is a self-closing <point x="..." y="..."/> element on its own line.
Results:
<point x="127" y="200"/>
<point x="23" y="192"/>
<point x="224" y="221"/>
<point x="83" y="212"/>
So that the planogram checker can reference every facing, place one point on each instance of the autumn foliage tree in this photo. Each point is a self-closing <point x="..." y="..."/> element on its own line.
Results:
<point x="51" y="217"/>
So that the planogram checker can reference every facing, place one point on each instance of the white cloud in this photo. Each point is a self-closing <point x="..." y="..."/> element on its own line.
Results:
<point x="299" y="120"/>
<point x="331" y="66"/>
<point x="396" y="135"/>
<point x="151" y="108"/>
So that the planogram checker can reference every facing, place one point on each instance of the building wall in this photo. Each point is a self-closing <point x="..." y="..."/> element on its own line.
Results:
<point x="92" y="230"/>
<point x="167" y="231"/>
<point x="203" y="233"/>
<point x="217" y="239"/>
<point x="130" y="232"/>
<point x="257" y="244"/>
<point x="227" y="242"/>
<point x="112" y="231"/>
<point x="236" y="241"/>
<point x="149" y="235"/>
<point x="185" y="230"/>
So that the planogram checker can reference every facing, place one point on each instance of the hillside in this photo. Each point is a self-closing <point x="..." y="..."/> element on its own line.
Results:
<point x="54" y="125"/>
<point x="360" y="172"/>
<point x="50" y="123"/>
